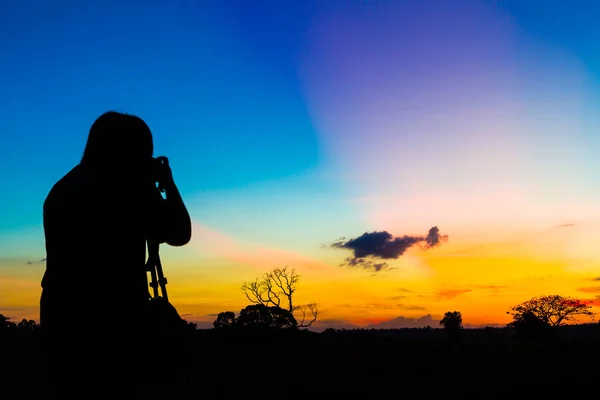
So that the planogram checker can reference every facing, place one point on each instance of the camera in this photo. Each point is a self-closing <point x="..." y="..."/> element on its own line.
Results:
<point x="157" y="168"/>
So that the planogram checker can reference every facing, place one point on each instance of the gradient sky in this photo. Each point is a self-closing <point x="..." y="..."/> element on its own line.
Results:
<point x="292" y="124"/>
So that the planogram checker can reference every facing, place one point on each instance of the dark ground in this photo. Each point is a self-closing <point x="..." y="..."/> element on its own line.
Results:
<point x="410" y="364"/>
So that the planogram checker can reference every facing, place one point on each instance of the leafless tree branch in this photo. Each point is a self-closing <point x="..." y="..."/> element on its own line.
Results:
<point x="276" y="289"/>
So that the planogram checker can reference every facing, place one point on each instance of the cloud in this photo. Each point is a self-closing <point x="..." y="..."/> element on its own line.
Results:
<point x="378" y="244"/>
<point x="366" y="264"/>
<point x="410" y="307"/>
<point x="434" y="238"/>
<point x="383" y="246"/>
<point x="321" y="325"/>
<point x="566" y="225"/>
<point x="389" y="306"/>
<point x="447" y="294"/>
<point x="589" y="290"/>
<point x="43" y="260"/>
<point x="406" y="322"/>
<point x="396" y="297"/>
<point x="422" y="322"/>
<point x="492" y="288"/>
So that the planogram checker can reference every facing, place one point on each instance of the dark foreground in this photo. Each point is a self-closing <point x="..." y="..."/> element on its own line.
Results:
<point x="409" y="364"/>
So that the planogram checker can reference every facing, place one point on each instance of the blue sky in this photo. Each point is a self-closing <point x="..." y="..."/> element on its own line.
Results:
<point x="217" y="82"/>
<point x="221" y="97"/>
<point x="292" y="123"/>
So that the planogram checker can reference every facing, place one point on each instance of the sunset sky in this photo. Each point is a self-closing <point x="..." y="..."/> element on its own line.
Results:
<point x="290" y="125"/>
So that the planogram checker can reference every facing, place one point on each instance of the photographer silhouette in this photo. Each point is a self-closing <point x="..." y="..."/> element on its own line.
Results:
<point x="97" y="221"/>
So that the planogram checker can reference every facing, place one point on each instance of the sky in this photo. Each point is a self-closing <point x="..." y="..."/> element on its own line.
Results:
<point x="297" y="129"/>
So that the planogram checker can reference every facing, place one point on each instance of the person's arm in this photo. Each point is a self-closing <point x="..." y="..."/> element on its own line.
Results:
<point x="177" y="224"/>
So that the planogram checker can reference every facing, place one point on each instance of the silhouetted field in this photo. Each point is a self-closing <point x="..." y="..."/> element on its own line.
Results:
<point x="409" y="363"/>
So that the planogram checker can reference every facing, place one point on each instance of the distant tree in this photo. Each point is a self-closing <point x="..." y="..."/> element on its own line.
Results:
<point x="6" y="325"/>
<point x="28" y="326"/>
<point x="529" y="327"/>
<point x="259" y="316"/>
<point x="555" y="310"/>
<point x="452" y="321"/>
<point x="190" y="326"/>
<point x="224" y="319"/>
<point x="276" y="289"/>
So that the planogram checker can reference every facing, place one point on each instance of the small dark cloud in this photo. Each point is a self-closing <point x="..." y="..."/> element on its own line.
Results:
<point x="383" y="246"/>
<point x="43" y="260"/>
<point x="378" y="244"/>
<point x="403" y="290"/>
<point x="566" y="225"/>
<point x="596" y="279"/>
<point x="211" y="315"/>
<point x="366" y="263"/>
<point x="396" y="297"/>
<point x="434" y="238"/>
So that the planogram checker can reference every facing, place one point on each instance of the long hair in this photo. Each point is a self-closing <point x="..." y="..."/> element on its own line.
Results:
<point x="117" y="138"/>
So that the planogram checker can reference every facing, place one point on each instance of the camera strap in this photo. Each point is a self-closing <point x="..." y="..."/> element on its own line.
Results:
<point x="154" y="266"/>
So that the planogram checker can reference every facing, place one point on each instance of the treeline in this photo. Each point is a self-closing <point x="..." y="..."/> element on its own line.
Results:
<point x="24" y="328"/>
<point x="273" y="311"/>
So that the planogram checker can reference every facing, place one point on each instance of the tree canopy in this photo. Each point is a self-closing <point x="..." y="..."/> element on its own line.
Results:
<point x="553" y="309"/>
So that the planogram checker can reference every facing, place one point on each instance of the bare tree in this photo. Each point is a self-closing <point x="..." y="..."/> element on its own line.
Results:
<point x="276" y="289"/>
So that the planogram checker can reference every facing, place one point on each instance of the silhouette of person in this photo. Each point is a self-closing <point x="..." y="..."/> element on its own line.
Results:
<point x="97" y="218"/>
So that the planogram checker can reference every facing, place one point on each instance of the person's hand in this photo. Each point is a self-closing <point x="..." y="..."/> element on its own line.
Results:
<point x="164" y="174"/>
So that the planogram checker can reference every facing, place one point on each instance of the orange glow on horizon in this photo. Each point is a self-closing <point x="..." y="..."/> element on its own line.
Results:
<point x="481" y="280"/>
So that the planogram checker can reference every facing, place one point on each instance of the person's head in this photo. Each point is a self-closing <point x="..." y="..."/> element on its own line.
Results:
<point x="118" y="140"/>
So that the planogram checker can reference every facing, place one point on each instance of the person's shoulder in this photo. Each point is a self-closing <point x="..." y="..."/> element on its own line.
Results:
<point x="65" y="184"/>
